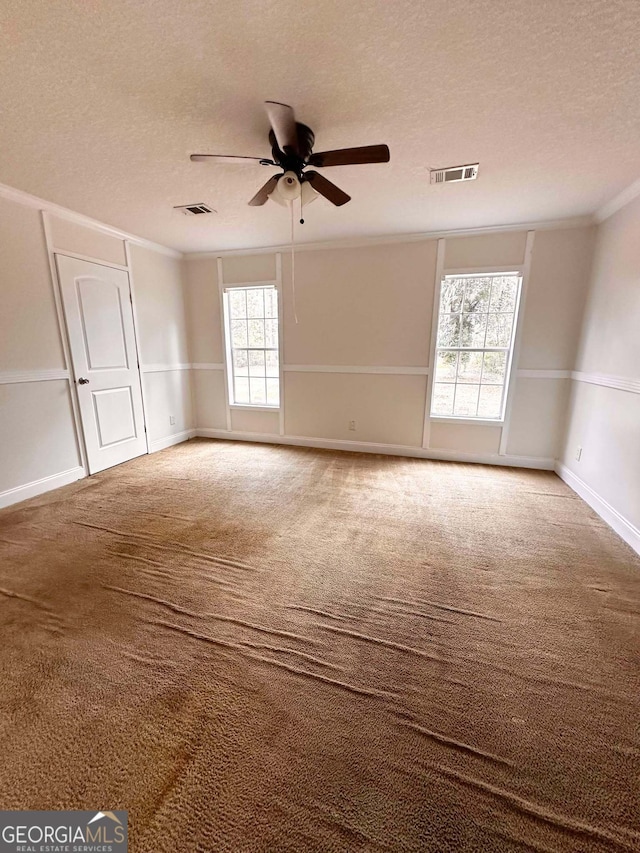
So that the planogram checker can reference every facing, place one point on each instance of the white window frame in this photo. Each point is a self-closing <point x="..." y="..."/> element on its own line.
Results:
<point x="478" y="272"/>
<point x="228" y="350"/>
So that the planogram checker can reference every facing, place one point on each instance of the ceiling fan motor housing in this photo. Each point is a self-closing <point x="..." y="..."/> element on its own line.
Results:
<point x="292" y="161"/>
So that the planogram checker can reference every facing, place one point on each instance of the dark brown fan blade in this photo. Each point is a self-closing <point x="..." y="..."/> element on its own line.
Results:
<point x="229" y="158"/>
<point x="283" y="122"/>
<point x="351" y="156"/>
<point x="326" y="188"/>
<point x="264" y="192"/>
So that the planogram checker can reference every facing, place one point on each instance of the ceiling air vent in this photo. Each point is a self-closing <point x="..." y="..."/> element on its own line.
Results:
<point x="455" y="173"/>
<point x="194" y="209"/>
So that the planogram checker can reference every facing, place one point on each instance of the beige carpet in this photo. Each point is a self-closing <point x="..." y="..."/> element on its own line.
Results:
<point x="260" y="648"/>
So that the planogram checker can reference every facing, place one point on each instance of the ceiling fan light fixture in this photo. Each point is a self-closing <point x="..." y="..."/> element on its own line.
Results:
<point x="288" y="187"/>
<point x="274" y="195"/>
<point x="307" y="194"/>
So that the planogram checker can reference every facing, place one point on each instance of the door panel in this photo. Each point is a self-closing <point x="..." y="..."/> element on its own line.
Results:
<point x="102" y="323"/>
<point x="115" y="415"/>
<point x="97" y="306"/>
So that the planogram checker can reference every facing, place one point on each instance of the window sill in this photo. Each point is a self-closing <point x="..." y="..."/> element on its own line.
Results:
<point x="441" y="419"/>
<point x="247" y="407"/>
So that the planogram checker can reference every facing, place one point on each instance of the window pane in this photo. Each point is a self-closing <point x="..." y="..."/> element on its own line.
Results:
<point x="258" y="391"/>
<point x="490" y="401"/>
<point x="470" y="367"/>
<point x="271" y="360"/>
<point x="256" y="333"/>
<point x="256" y="363"/>
<point x="273" y="392"/>
<point x="451" y="297"/>
<point x="240" y="363"/>
<point x="449" y="330"/>
<point x="446" y="367"/>
<point x="476" y="295"/>
<point x="442" y="399"/>
<point x="473" y="330"/>
<point x="252" y="317"/>
<point x="237" y="304"/>
<point x="271" y="333"/>
<point x="495" y="365"/>
<point x="255" y="303"/>
<point x="466" y="404"/>
<point x="271" y="302"/>
<point x="241" y="390"/>
<point x="499" y="330"/>
<point x="503" y="293"/>
<point x="238" y="333"/>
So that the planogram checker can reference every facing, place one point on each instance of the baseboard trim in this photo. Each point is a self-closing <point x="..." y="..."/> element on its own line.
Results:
<point x="170" y="440"/>
<point x="622" y="526"/>
<point x="38" y="487"/>
<point x="383" y="449"/>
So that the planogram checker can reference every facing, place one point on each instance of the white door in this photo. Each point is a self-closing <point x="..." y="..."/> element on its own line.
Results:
<point x="97" y="307"/>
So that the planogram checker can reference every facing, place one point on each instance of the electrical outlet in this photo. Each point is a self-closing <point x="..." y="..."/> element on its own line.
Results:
<point x="172" y="420"/>
<point x="578" y="453"/>
<point x="352" y="425"/>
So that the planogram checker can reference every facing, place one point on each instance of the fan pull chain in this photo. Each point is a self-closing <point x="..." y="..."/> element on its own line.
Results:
<point x="293" y="263"/>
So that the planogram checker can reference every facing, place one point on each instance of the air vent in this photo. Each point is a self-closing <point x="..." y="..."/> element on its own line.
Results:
<point x="455" y="173"/>
<point x="194" y="209"/>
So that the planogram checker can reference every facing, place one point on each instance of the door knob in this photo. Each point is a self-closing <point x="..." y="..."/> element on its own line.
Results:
<point x="83" y="381"/>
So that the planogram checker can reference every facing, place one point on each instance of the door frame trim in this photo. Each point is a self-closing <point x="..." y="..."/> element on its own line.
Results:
<point x="136" y="337"/>
<point x="64" y="339"/>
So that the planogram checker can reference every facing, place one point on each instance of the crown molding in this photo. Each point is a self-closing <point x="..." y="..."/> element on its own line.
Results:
<point x="619" y="201"/>
<point x="28" y="200"/>
<point x="359" y="242"/>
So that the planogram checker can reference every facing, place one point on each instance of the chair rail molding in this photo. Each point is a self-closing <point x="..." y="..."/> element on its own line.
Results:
<point x="15" y="377"/>
<point x="607" y="380"/>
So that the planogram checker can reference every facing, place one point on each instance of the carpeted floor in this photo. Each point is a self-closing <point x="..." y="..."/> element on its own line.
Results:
<point x="261" y="648"/>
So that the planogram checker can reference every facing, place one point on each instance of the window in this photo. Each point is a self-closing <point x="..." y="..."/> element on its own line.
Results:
<point x="251" y="323"/>
<point x="476" y="327"/>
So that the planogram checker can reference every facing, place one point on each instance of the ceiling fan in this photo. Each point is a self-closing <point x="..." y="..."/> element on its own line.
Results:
<point x="292" y="150"/>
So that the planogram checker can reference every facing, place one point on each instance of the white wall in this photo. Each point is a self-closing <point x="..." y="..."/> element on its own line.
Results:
<point x="40" y="446"/>
<point x="604" y="410"/>
<point x="361" y="347"/>
<point x="551" y="325"/>
<point x="163" y="346"/>
<point x="37" y="433"/>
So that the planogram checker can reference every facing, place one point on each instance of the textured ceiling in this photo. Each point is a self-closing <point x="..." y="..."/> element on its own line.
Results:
<point x="103" y="101"/>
